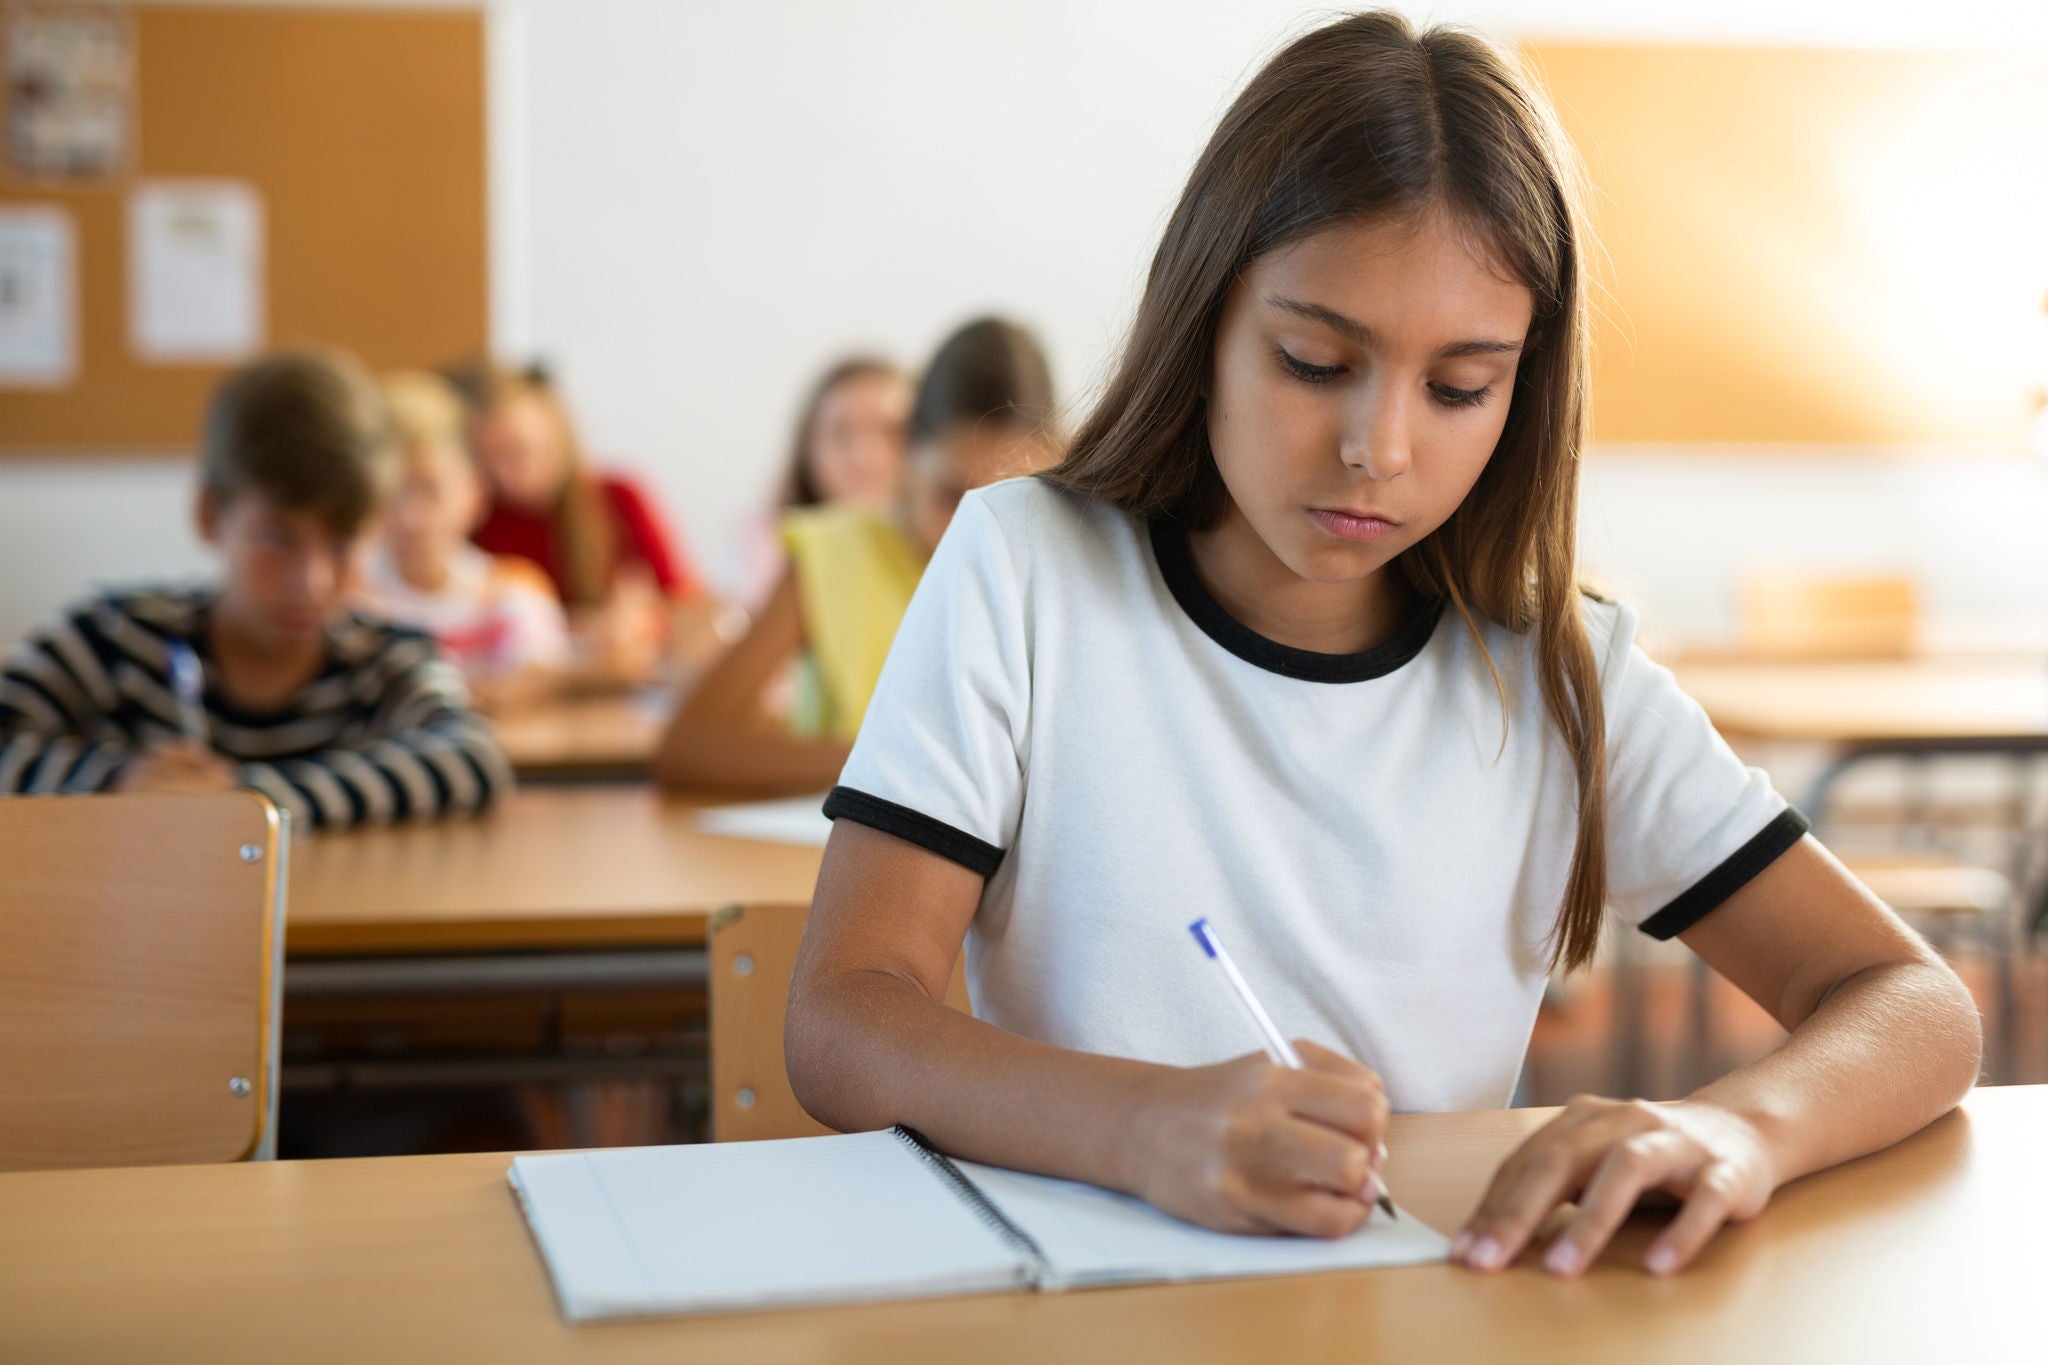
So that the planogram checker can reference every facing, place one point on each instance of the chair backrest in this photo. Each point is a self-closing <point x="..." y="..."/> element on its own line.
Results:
<point x="141" y="959"/>
<point x="753" y="954"/>
<point x="1817" y="616"/>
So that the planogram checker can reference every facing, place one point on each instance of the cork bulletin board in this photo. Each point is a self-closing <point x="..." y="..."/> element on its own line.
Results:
<point x="361" y="130"/>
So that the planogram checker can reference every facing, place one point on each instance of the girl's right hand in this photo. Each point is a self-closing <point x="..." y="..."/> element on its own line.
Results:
<point x="1247" y="1146"/>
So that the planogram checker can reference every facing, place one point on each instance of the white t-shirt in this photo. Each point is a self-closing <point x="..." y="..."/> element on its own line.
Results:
<point x="1067" y="711"/>
<point x="495" y="614"/>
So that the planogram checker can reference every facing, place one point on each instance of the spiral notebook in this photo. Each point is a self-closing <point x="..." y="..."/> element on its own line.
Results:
<point x="639" y="1231"/>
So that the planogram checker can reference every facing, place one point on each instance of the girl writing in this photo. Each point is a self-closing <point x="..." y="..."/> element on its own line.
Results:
<point x="1292" y="640"/>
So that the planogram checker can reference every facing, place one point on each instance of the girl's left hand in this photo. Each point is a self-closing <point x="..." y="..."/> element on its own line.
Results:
<point x="1604" y="1155"/>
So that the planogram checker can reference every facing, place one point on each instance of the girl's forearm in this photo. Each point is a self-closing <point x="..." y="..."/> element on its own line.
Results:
<point x="1887" y="1052"/>
<point x="869" y="1049"/>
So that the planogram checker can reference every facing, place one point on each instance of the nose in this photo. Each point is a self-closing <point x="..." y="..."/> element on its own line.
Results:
<point x="1376" y="439"/>
<point x="318" y="574"/>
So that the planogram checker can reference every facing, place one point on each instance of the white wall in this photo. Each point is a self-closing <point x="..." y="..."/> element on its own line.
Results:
<point x="695" y="206"/>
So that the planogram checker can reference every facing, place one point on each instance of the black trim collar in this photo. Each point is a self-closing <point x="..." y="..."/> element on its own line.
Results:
<point x="1177" y="567"/>
<point x="1741" y="866"/>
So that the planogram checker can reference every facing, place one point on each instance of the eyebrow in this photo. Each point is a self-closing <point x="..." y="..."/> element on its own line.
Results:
<point x="1360" y="333"/>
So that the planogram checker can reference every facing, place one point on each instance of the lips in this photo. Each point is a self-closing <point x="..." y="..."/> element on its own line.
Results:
<point x="1355" y="526"/>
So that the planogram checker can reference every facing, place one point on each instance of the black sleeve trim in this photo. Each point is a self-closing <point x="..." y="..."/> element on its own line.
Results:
<point x="1731" y="876"/>
<point x="845" y="803"/>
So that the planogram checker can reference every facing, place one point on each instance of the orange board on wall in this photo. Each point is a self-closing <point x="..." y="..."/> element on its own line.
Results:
<point x="1813" y="246"/>
<point x="363" y="132"/>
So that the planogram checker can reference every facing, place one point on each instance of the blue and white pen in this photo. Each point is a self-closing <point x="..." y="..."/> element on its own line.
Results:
<point x="1277" y="1047"/>
<point x="188" y="685"/>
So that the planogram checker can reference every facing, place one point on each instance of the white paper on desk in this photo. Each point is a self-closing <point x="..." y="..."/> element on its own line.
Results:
<point x="38" y="297"/>
<point x="195" y="271"/>
<point x="799" y="820"/>
<point x="731" y="1225"/>
<point x="1093" y="1238"/>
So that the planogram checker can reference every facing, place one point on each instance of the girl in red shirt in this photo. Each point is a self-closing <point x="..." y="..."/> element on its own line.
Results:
<point x="598" y="537"/>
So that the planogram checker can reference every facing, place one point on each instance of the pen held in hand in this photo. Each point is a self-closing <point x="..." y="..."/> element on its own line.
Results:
<point x="188" y="685"/>
<point x="1277" y="1047"/>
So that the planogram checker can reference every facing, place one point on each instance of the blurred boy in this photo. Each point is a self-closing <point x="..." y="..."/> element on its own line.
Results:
<point x="335" y="718"/>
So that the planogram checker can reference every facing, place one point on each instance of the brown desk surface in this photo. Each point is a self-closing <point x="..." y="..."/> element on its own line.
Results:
<point x="1908" y="699"/>
<point x="613" y="734"/>
<point x="1929" y="1251"/>
<point x="556" y="867"/>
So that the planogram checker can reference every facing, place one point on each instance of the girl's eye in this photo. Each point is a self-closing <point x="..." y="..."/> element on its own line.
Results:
<point x="1460" y="398"/>
<point x="1305" y="372"/>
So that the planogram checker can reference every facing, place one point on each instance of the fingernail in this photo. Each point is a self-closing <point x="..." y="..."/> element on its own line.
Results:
<point x="1487" y="1254"/>
<point x="1562" y="1259"/>
<point x="1373" y="1190"/>
<point x="1459" y="1243"/>
<point x="1379" y="1156"/>
<point x="1661" y="1260"/>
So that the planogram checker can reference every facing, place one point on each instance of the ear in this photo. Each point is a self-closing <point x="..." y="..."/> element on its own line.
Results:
<point x="206" y="509"/>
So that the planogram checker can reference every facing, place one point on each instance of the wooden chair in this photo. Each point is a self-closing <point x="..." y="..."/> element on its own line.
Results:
<point x="753" y="954"/>
<point x="1821" y="616"/>
<point x="141" y="946"/>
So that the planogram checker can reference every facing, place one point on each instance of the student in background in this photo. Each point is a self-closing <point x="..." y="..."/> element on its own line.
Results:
<point x="631" y="594"/>
<point x="848" y="448"/>
<point x="495" y="615"/>
<point x="336" y="718"/>
<point x="1292" y="640"/>
<point x="981" y="413"/>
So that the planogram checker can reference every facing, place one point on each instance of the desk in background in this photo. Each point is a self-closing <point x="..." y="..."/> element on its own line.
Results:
<point x="1924" y="1252"/>
<point x="556" y="942"/>
<point x="1946" y="700"/>
<point x="587" y="739"/>
<point x="554" y="868"/>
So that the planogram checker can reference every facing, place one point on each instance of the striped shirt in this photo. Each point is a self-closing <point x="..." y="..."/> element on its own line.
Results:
<point x="383" y="732"/>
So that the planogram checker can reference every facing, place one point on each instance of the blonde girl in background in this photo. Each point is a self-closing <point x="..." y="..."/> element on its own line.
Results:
<point x="982" y="412"/>
<point x="496" y="616"/>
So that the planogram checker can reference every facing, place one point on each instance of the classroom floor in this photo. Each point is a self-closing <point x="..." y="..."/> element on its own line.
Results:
<point x="1573" y="1050"/>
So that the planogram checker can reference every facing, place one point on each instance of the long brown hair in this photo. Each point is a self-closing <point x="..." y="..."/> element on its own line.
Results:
<point x="581" y="514"/>
<point x="1367" y="118"/>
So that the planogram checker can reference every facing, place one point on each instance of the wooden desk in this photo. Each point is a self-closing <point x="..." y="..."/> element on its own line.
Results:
<point x="608" y="737"/>
<point x="557" y="867"/>
<point x="1929" y="1251"/>
<point x="1932" y="700"/>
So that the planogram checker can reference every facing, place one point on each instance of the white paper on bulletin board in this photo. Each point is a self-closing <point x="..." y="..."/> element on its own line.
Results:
<point x="195" y="271"/>
<point x="38" y="298"/>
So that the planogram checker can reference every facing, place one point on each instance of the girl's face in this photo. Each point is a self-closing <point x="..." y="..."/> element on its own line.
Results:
<point x="519" y="445"/>
<point x="1361" y="380"/>
<point x="856" y="444"/>
<point x="438" y="503"/>
<point x="969" y="455"/>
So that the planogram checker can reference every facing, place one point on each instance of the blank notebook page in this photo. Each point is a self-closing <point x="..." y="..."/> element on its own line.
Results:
<point x="1092" y="1237"/>
<point x="643" y="1230"/>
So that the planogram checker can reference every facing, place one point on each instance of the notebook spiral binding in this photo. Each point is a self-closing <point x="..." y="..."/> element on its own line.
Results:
<point x="1037" y="1267"/>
